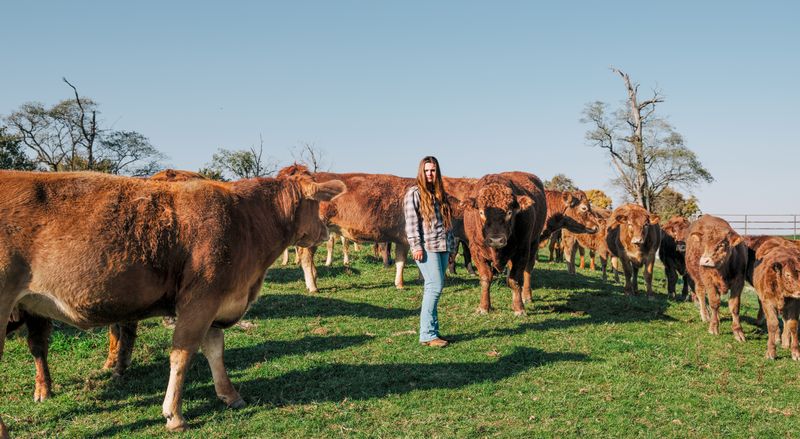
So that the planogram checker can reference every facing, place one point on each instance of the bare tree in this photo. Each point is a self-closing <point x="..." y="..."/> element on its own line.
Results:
<point x="311" y="156"/>
<point x="647" y="153"/>
<point x="87" y="129"/>
<point x="128" y="153"/>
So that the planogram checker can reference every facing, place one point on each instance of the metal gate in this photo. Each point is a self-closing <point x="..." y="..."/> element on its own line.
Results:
<point x="763" y="224"/>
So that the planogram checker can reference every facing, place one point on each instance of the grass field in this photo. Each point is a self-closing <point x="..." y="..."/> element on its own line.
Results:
<point x="586" y="361"/>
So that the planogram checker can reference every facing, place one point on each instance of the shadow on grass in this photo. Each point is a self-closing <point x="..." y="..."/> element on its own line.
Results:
<point x="337" y="382"/>
<point x="294" y="273"/>
<point x="276" y="306"/>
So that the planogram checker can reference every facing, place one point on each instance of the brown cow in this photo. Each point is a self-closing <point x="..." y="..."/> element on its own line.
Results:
<point x="716" y="259"/>
<point x="458" y="189"/>
<point x="370" y="210"/>
<point x="776" y="278"/>
<point x="672" y="253"/>
<point x="504" y="216"/>
<point x="595" y="243"/>
<point x="92" y="249"/>
<point x="633" y="236"/>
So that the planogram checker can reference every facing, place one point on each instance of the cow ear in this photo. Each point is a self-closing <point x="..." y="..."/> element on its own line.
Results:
<point x="524" y="202"/>
<point x="569" y="199"/>
<point x="620" y="218"/>
<point x="322" y="191"/>
<point x="654" y="219"/>
<point x="696" y="236"/>
<point x="734" y="239"/>
<point x="468" y="203"/>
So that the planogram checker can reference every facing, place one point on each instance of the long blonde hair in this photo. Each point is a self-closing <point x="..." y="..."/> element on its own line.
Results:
<point x="435" y="191"/>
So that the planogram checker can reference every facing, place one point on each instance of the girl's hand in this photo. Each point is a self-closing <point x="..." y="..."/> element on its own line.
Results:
<point x="418" y="254"/>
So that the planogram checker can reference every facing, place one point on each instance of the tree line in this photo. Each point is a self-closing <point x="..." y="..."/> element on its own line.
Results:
<point x="649" y="156"/>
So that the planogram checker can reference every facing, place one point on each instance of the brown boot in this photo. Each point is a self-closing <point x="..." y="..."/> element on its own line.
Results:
<point x="436" y="343"/>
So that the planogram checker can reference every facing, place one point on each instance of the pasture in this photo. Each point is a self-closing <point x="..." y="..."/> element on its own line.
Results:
<point x="585" y="361"/>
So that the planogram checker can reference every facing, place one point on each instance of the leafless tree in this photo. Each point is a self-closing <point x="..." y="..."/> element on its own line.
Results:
<point x="248" y="163"/>
<point x="87" y="129"/>
<point x="645" y="150"/>
<point x="311" y="156"/>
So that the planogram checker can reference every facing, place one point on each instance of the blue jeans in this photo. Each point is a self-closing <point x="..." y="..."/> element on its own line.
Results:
<point x="433" y="266"/>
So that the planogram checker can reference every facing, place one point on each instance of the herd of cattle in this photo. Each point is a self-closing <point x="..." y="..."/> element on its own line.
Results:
<point x="94" y="250"/>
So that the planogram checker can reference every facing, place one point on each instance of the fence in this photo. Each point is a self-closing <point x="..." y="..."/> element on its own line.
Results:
<point x="763" y="224"/>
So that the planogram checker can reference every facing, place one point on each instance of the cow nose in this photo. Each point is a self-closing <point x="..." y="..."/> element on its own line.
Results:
<point x="705" y="261"/>
<point x="637" y="240"/>
<point x="681" y="247"/>
<point x="496" y="242"/>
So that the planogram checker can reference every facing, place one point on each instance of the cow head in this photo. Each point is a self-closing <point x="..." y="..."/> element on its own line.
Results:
<point x="497" y="207"/>
<point x="716" y="245"/>
<point x="634" y="225"/>
<point x="310" y="227"/>
<point x="677" y="228"/>
<point x="785" y="268"/>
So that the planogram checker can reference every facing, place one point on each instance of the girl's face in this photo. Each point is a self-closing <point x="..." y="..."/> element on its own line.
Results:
<point x="430" y="172"/>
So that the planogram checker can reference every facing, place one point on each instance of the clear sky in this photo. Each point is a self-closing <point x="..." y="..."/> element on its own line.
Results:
<point x="485" y="86"/>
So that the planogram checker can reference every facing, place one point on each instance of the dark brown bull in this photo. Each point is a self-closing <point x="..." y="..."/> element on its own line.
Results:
<point x="504" y="216"/>
<point x="91" y="249"/>
<point x="633" y="237"/>
<point x="716" y="259"/>
<point x="672" y="253"/>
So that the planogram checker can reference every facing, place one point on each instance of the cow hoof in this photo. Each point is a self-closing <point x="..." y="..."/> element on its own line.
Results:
<point x="738" y="335"/>
<point x="177" y="425"/>
<point x="238" y="404"/>
<point x="796" y="356"/>
<point x="315" y="290"/>
<point x="713" y="331"/>
<point x="769" y="356"/>
<point x="520" y="313"/>
<point x="41" y="396"/>
<point x="481" y="311"/>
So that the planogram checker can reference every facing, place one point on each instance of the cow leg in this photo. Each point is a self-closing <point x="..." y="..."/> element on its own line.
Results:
<point x="582" y="252"/>
<point x="615" y="267"/>
<point x="792" y="311"/>
<point x="648" y="277"/>
<point x="527" y="278"/>
<point x="401" y="255"/>
<point x="309" y="269"/>
<point x="570" y="248"/>
<point x="733" y="305"/>
<point x="329" y="246"/>
<point x="121" y="339"/>
<point x="451" y="261"/>
<point x="627" y="268"/>
<point x="346" y="251"/>
<point x="285" y="257"/>
<point x="468" y="259"/>
<point x="672" y="280"/>
<point x="591" y="260"/>
<point x="190" y="330"/>
<point x="714" y="302"/>
<point x="516" y="278"/>
<point x="773" y="329"/>
<point x="213" y="347"/>
<point x="786" y="337"/>
<point x="552" y="247"/>
<point x="39" y="329"/>
<point x="356" y="247"/>
<point x="604" y="266"/>
<point x="386" y="254"/>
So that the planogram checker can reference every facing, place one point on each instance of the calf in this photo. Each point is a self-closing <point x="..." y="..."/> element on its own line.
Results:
<point x="776" y="278"/>
<point x="91" y="249"/>
<point x="672" y="253"/>
<point x="716" y="259"/>
<point x="504" y="216"/>
<point x="595" y="243"/>
<point x="633" y="237"/>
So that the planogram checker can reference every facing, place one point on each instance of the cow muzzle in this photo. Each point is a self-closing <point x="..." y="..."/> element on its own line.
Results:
<point x="706" y="261"/>
<point x="496" y="242"/>
<point x="637" y="240"/>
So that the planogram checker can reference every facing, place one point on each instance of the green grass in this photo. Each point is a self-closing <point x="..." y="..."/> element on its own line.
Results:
<point x="586" y="361"/>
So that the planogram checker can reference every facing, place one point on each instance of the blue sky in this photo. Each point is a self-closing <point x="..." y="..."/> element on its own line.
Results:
<point x="484" y="86"/>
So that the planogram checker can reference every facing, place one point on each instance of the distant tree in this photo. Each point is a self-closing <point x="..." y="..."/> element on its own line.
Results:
<point x="211" y="174"/>
<point x="68" y="137"/>
<point x="314" y="158"/>
<point x="671" y="202"/>
<point x="247" y="163"/>
<point x="11" y="154"/>
<point x="560" y="182"/>
<point x="128" y="153"/>
<point x="645" y="150"/>
<point x="599" y="199"/>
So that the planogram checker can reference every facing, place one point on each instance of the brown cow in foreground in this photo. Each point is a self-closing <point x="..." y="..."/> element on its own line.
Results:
<point x="91" y="249"/>
<point x="716" y="259"/>
<point x="633" y="237"/>
<point x="673" y="254"/>
<point x="776" y="278"/>
<point x="504" y="216"/>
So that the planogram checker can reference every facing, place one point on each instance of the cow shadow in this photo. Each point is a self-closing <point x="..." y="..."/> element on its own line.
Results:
<point x="294" y="273"/>
<point x="337" y="382"/>
<point x="276" y="306"/>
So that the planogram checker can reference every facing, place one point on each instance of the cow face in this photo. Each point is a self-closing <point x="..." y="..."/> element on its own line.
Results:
<point x="497" y="207"/>
<point x="786" y="269"/>
<point x="635" y="225"/>
<point x="716" y="245"/>
<point x="678" y="229"/>
<point x="310" y="225"/>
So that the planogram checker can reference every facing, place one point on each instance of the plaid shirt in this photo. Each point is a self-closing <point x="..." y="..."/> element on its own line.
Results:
<point x="420" y="233"/>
